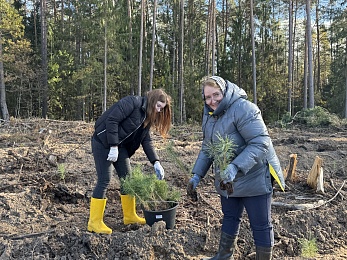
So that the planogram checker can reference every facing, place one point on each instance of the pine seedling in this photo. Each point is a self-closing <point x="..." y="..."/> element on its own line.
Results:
<point x="147" y="188"/>
<point x="222" y="152"/>
<point x="308" y="247"/>
<point x="62" y="171"/>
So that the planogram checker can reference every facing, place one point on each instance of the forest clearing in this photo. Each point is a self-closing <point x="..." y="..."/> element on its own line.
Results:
<point x="47" y="176"/>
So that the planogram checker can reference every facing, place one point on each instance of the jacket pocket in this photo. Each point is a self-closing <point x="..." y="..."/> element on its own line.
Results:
<point x="101" y="137"/>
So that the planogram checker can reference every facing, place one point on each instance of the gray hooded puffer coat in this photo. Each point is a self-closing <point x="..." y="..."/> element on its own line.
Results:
<point x="241" y="121"/>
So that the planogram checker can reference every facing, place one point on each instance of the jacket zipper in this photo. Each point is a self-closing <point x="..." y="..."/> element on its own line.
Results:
<point x="133" y="131"/>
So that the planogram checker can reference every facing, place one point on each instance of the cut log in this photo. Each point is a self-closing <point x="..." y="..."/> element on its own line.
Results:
<point x="315" y="176"/>
<point x="301" y="206"/>
<point x="290" y="171"/>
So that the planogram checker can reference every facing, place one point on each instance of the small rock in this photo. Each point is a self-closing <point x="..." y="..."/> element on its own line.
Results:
<point x="158" y="227"/>
<point x="320" y="236"/>
<point x="290" y="250"/>
<point x="52" y="159"/>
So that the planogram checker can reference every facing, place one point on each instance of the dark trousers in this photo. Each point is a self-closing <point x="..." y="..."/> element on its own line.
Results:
<point x="258" y="209"/>
<point x="104" y="168"/>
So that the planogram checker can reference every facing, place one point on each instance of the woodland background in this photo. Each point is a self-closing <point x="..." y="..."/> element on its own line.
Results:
<point x="70" y="59"/>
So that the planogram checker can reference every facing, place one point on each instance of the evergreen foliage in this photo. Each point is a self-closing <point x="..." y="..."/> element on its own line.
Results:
<point x="146" y="188"/>
<point x="308" y="247"/>
<point x="221" y="151"/>
<point x="84" y="35"/>
<point x="314" y="117"/>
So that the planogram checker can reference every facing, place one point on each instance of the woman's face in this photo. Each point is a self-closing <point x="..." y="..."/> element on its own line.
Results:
<point x="159" y="106"/>
<point x="213" y="96"/>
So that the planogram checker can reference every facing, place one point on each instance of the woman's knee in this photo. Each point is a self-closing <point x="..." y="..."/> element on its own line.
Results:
<point x="263" y="236"/>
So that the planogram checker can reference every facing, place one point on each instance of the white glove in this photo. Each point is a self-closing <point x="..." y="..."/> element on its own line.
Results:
<point x="159" y="170"/>
<point x="113" y="154"/>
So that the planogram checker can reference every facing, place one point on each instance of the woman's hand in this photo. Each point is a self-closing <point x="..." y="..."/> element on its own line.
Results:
<point x="159" y="170"/>
<point x="113" y="154"/>
<point x="191" y="188"/>
<point x="230" y="173"/>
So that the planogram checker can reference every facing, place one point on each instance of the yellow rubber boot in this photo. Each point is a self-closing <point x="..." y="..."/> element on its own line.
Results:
<point x="129" y="211"/>
<point x="96" y="217"/>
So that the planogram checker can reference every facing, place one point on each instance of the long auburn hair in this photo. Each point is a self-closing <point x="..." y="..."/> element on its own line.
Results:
<point x="162" y="120"/>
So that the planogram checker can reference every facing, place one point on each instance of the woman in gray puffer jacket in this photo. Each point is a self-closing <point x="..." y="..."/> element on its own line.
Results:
<point x="228" y="113"/>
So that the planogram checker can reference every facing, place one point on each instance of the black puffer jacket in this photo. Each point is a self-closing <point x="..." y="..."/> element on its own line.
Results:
<point x="122" y="125"/>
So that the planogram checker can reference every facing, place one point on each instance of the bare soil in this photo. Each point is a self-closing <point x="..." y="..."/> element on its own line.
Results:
<point x="47" y="177"/>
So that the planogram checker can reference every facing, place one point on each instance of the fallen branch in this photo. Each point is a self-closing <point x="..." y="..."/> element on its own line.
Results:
<point x="12" y="237"/>
<point x="337" y="193"/>
<point x="308" y="205"/>
<point x="18" y="184"/>
<point x="298" y="206"/>
<point x="332" y="184"/>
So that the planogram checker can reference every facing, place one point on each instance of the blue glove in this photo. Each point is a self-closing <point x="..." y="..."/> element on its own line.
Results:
<point x="194" y="181"/>
<point x="229" y="173"/>
<point x="191" y="188"/>
<point x="159" y="170"/>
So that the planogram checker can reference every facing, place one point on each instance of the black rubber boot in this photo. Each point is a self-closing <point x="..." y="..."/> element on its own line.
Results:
<point x="263" y="253"/>
<point x="227" y="245"/>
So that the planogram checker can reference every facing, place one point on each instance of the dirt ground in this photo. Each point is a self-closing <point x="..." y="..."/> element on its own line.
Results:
<point x="47" y="177"/>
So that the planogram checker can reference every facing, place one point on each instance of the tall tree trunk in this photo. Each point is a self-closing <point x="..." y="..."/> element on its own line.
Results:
<point x="174" y="65"/>
<point x="253" y="56"/>
<point x="3" y="104"/>
<point x="208" y="45"/>
<point x="35" y="26"/>
<point x="130" y="45"/>
<point x="346" y="80"/>
<point x="44" y="78"/>
<point x="141" y="46"/>
<point x="309" y="56"/>
<point x="153" y="43"/>
<point x="305" y="72"/>
<point x="318" y="83"/>
<point x="213" y="35"/>
<point x="225" y="28"/>
<point x="181" y="71"/>
<point x="62" y="16"/>
<point x="239" y="54"/>
<point x="295" y="12"/>
<point x="290" y="57"/>
<point x="105" y="67"/>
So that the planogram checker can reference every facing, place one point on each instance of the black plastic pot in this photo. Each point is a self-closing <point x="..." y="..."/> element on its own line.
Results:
<point x="167" y="215"/>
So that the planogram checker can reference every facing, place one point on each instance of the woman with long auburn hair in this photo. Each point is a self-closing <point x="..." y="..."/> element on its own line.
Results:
<point x="119" y="132"/>
<point x="161" y="121"/>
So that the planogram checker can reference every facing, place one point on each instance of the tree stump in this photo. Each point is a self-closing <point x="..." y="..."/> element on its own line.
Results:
<point x="315" y="176"/>
<point x="290" y="171"/>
